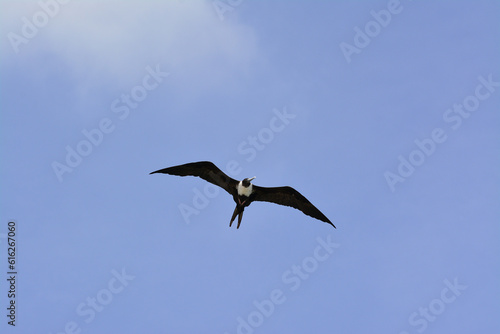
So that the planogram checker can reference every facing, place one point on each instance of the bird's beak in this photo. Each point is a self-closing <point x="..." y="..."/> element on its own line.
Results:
<point x="250" y="179"/>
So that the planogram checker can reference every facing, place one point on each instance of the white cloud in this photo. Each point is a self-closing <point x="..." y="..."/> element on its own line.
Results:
<point x="103" y="42"/>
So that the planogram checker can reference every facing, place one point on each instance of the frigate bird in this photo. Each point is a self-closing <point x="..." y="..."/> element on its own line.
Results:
<point x="244" y="192"/>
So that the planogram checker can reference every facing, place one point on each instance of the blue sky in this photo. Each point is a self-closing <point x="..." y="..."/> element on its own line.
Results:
<point x="384" y="114"/>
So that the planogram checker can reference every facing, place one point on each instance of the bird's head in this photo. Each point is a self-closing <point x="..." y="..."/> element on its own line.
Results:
<point x="246" y="182"/>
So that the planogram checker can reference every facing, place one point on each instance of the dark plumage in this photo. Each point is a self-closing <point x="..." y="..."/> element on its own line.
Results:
<point x="244" y="192"/>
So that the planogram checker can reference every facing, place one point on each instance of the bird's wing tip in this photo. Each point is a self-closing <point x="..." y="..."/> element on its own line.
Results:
<point x="329" y="222"/>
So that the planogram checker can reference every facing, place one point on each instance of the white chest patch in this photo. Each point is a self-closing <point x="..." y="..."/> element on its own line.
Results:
<point x="242" y="191"/>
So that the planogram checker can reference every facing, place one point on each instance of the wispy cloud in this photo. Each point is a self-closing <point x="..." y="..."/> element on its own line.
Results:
<point x="112" y="41"/>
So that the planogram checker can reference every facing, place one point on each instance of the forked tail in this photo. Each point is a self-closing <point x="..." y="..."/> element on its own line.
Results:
<point x="238" y="211"/>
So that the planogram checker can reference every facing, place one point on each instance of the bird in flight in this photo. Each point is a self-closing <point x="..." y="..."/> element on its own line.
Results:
<point x="244" y="192"/>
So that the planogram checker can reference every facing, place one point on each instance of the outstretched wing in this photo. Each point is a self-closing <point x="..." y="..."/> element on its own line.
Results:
<point x="206" y="170"/>
<point x="289" y="197"/>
